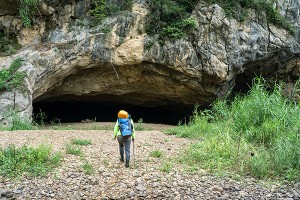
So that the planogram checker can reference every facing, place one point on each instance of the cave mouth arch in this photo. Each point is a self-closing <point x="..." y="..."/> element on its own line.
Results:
<point x="78" y="110"/>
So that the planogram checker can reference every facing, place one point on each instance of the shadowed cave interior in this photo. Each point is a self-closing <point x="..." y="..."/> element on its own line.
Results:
<point x="76" y="111"/>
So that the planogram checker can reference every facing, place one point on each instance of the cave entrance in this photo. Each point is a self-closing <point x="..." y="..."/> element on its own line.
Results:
<point x="78" y="111"/>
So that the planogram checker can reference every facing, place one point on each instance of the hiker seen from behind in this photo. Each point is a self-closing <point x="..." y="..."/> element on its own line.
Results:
<point x="124" y="133"/>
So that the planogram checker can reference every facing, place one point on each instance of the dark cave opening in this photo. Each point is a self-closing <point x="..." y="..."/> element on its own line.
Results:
<point x="76" y="111"/>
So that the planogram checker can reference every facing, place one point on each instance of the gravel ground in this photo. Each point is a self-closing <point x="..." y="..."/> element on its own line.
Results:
<point x="111" y="180"/>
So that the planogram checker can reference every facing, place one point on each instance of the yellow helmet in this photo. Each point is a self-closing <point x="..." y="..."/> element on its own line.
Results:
<point x="123" y="114"/>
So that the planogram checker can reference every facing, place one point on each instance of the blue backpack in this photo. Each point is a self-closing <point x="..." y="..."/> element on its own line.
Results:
<point x="125" y="126"/>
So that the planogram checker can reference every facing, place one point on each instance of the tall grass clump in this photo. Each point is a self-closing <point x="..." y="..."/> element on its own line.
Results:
<point x="18" y="161"/>
<point x="255" y="134"/>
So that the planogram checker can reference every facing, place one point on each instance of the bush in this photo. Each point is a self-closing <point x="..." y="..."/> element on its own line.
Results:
<point x="27" y="10"/>
<point x="256" y="133"/>
<point x="8" y="44"/>
<point x="26" y="160"/>
<point x="70" y="149"/>
<point x="170" y="18"/>
<point x="88" y="168"/>
<point x="10" y="78"/>
<point x="81" y="142"/>
<point x="103" y="8"/>
<point x="156" y="154"/>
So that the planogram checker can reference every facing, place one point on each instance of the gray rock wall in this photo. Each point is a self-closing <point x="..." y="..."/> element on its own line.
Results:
<point x="64" y="55"/>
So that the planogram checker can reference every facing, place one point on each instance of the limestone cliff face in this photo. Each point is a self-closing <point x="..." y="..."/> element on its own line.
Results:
<point x="66" y="59"/>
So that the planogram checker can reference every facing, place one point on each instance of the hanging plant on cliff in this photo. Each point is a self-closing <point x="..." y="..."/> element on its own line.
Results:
<point x="11" y="78"/>
<point x="27" y="10"/>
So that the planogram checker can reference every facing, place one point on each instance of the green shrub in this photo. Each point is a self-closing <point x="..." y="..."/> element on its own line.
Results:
<point x="88" y="168"/>
<point x="167" y="167"/>
<point x="27" y="10"/>
<point x="156" y="154"/>
<point x="81" y="142"/>
<point x="104" y="8"/>
<point x="170" y="18"/>
<point x="18" y="123"/>
<point x="10" y="78"/>
<point x="26" y="160"/>
<point x="254" y="134"/>
<point x="74" y="150"/>
<point x="8" y="44"/>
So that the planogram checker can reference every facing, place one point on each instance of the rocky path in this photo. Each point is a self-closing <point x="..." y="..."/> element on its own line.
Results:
<point x="111" y="180"/>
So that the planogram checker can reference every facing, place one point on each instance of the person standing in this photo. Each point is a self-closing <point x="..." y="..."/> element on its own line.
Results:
<point x="124" y="133"/>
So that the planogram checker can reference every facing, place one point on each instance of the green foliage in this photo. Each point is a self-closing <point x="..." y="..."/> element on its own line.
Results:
<point x="8" y="44"/>
<point x="239" y="9"/>
<point x="40" y="118"/>
<point x="255" y="134"/>
<point x="81" y="142"/>
<point x="74" y="150"/>
<point x="167" y="167"/>
<point x="27" y="10"/>
<point x="156" y="154"/>
<point x="21" y="124"/>
<point x="10" y="78"/>
<point x="25" y="160"/>
<point x="104" y="8"/>
<point x="170" y="18"/>
<point x="17" y="123"/>
<point x="88" y="168"/>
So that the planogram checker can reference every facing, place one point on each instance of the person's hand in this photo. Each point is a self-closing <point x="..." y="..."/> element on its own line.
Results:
<point x="132" y="139"/>
<point x="114" y="138"/>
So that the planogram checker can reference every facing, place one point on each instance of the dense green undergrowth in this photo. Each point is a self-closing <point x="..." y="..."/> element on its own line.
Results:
<point x="28" y="161"/>
<point x="257" y="134"/>
<point x="171" y="18"/>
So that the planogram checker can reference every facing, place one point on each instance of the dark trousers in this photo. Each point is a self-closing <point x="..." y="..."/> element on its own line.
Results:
<point x="124" y="142"/>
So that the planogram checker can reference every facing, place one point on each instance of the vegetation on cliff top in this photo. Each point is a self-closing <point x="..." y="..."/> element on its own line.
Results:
<point x="104" y="8"/>
<point x="256" y="134"/>
<point x="170" y="18"/>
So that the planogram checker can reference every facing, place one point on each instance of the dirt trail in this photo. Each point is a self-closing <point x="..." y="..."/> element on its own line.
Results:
<point x="111" y="180"/>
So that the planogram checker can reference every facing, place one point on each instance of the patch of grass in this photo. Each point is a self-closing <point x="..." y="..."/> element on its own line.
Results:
<point x="74" y="150"/>
<point x="17" y="123"/>
<point x="167" y="167"/>
<point x="88" y="168"/>
<point x="254" y="134"/>
<point x="140" y="126"/>
<point x="82" y="142"/>
<point x="15" y="162"/>
<point x="105" y="163"/>
<point x="156" y="154"/>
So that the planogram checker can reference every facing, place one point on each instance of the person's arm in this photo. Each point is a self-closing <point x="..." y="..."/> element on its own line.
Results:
<point x="116" y="129"/>
<point x="133" y="131"/>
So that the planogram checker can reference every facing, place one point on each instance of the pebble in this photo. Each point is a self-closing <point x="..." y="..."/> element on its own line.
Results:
<point x="111" y="180"/>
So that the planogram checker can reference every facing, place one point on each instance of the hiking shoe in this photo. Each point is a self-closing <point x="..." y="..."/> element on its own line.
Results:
<point x="121" y="159"/>
<point x="127" y="164"/>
